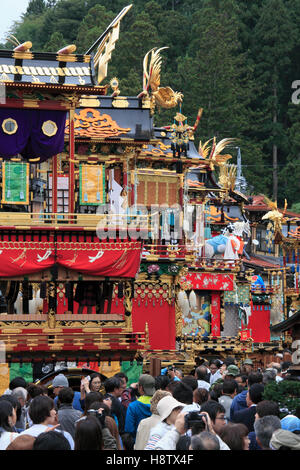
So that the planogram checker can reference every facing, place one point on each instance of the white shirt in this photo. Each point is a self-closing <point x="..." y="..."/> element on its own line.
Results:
<point x="38" y="429"/>
<point x="6" y="438"/>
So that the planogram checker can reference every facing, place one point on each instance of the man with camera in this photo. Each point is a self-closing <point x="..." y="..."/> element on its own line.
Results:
<point x="191" y="424"/>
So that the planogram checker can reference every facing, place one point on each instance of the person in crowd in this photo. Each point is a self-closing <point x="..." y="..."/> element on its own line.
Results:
<point x="247" y="416"/>
<point x="235" y="436"/>
<point x="200" y="395"/>
<point x="269" y="376"/>
<point x="242" y="381"/>
<point x="263" y="408"/>
<point x="184" y="394"/>
<point x="20" y="394"/>
<point x="215" y="373"/>
<point x="140" y="408"/>
<point x="168" y="409"/>
<point x="229" y="390"/>
<point x="216" y="413"/>
<point x="89" y="384"/>
<point x="162" y="382"/>
<point x="8" y="420"/>
<point x="129" y="394"/>
<point x="204" y="441"/>
<point x="284" y="440"/>
<point x="15" y="383"/>
<point x="146" y="424"/>
<point x="51" y="440"/>
<point x="247" y="366"/>
<point x="215" y="391"/>
<point x="60" y="381"/>
<point x="291" y="423"/>
<point x="202" y="377"/>
<point x="114" y="388"/>
<point x="232" y="371"/>
<point x="264" y="428"/>
<point x="239" y="401"/>
<point x="67" y="415"/>
<point x="88" y="434"/>
<point x="285" y="365"/>
<point x="22" y="443"/>
<point x="190" y="381"/>
<point x="43" y="415"/>
<point x="17" y="409"/>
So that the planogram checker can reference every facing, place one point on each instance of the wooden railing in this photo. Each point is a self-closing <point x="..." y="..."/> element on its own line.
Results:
<point x="187" y="254"/>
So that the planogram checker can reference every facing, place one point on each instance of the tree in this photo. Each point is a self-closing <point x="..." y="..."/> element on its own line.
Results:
<point x="272" y="41"/>
<point x="35" y="7"/>
<point x="92" y="26"/>
<point x="55" y="43"/>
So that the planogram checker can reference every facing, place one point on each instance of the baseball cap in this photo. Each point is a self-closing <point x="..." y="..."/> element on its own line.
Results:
<point x="60" y="381"/>
<point x="166" y="405"/>
<point x="290" y="423"/>
<point x="233" y="370"/>
<point x="248" y="361"/>
<point x="148" y="384"/>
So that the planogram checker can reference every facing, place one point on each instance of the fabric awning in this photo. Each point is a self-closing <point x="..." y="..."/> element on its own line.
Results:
<point x="109" y="259"/>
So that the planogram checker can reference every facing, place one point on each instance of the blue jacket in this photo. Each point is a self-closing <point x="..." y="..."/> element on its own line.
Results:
<point x="253" y="442"/>
<point x="238" y="403"/>
<point x="136" y="411"/>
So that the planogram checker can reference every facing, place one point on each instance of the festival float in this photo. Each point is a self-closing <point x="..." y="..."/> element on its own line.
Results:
<point x="120" y="242"/>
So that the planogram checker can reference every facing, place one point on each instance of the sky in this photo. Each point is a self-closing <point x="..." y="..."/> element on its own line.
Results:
<point x="11" y="12"/>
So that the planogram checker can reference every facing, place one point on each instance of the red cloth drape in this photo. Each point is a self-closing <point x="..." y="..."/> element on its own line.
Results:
<point x="19" y="258"/>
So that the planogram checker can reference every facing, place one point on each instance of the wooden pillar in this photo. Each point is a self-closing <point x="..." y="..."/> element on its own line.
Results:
<point x="54" y="184"/>
<point x="155" y="367"/>
<point x="71" y="163"/>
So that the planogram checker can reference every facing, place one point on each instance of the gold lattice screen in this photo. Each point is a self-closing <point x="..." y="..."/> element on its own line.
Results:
<point x="157" y="189"/>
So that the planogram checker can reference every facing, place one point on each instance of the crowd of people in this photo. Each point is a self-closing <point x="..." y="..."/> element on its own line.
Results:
<point x="218" y="406"/>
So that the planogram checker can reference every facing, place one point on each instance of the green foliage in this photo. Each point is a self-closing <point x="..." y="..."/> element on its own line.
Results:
<point x="235" y="58"/>
<point x="286" y="393"/>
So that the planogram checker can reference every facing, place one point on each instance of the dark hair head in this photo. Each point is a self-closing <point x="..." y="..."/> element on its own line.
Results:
<point x="161" y="382"/>
<point x="255" y="378"/>
<point x="17" y="382"/>
<point x="52" y="440"/>
<point x="14" y="402"/>
<point x="190" y="381"/>
<point x="256" y="392"/>
<point x="233" y="435"/>
<point x="213" y="408"/>
<point x="94" y="376"/>
<point x="200" y="395"/>
<point x="121" y="375"/>
<point x="172" y="385"/>
<point x="229" y="387"/>
<point x="183" y="393"/>
<point x="6" y="411"/>
<point x="88" y="434"/>
<point x="40" y="408"/>
<point x="66" y="395"/>
<point x="34" y="390"/>
<point x="229" y="361"/>
<point x="90" y="398"/>
<point x="285" y="365"/>
<point x="216" y="362"/>
<point x="267" y="408"/>
<point x="205" y="441"/>
<point x="201" y="373"/>
<point x="216" y="391"/>
<point x="111" y="384"/>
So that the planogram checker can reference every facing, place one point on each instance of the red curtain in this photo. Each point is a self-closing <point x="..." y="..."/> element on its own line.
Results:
<point x="96" y="259"/>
